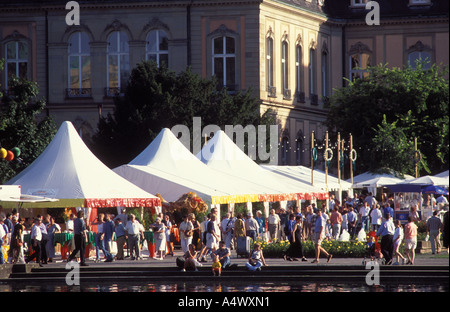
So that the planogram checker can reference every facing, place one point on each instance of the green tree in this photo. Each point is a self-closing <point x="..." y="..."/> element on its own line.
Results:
<point x="19" y="126"/>
<point x="393" y="147"/>
<point x="415" y="100"/>
<point x="157" y="98"/>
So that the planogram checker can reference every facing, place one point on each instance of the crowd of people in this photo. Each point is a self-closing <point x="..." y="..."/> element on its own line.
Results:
<point x="42" y="230"/>
<point x="214" y="238"/>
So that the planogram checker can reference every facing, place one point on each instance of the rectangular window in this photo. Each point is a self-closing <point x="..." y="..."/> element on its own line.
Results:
<point x="118" y="63"/>
<point x="16" y="60"/>
<point x="358" y="65"/>
<point x="158" y="47"/>
<point x="269" y="62"/>
<point x="224" y="62"/>
<point x="299" y="74"/>
<point x="284" y="66"/>
<point x="79" y="84"/>
<point x="312" y="69"/>
<point x="324" y="74"/>
<point x="418" y="56"/>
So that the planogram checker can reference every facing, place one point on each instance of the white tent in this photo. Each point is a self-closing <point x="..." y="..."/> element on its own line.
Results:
<point x="443" y="174"/>
<point x="67" y="170"/>
<point x="439" y="181"/>
<point x="221" y="154"/>
<point x="168" y="168"/>
<point x="372" y="181"/>
<point x="303" y="174"/>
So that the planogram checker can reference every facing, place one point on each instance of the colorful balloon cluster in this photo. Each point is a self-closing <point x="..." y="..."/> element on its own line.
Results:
<point x="9" y="155"/>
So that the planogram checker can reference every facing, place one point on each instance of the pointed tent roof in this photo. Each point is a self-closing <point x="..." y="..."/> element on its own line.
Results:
<point x="223" y="155"/>
<point x="167" y="167"/>
<point x="429" y="180"/>
<point x="69" y="171"/>
<point x="443" y="174"/>
<point x="374" y="180"/>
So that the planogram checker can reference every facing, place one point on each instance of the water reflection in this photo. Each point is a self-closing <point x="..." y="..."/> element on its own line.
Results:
<point x="220" y="287"/>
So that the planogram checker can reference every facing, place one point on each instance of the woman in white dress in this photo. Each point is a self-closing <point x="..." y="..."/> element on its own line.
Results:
<point x="160" y="238"/>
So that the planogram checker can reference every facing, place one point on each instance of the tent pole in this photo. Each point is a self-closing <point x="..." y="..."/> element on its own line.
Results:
<point x="339" y="156"/>
<point x="351" y="160"/>
<point x="415" y="156"/>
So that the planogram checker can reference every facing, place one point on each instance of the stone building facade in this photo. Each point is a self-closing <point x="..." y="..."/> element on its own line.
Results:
<point x="292" y="53"/>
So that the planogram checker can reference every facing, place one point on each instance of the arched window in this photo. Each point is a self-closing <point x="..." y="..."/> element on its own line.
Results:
<point x="285" y="68"/>
<point x="16" y="53"/>
<point x="224" y="62"/>
<point x="79" y="82"/>
<point x="118" y="63"/>
<point x="158" y="47"/>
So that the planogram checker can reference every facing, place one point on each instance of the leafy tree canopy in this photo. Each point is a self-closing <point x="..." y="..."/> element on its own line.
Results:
<point x="385" y="111"/>
<point x="158" y="98"/>
<point x="22" y="127"/>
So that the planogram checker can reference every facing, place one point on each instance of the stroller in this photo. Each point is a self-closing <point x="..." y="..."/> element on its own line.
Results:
<point x="373" y="249"/>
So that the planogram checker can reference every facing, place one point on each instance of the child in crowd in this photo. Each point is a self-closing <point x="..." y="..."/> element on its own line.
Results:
<point x="216" y="266"/>
<point x="397" y="239"/>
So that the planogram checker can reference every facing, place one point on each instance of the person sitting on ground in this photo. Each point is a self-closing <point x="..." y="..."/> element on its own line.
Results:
<point x="223" y="254"/>
<point x="190" y="263"/>
<point x="256" y="259"/>
<point x="216" y="266"/>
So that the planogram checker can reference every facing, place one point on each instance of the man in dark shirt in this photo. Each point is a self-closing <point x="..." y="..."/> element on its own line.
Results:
<point x="108" y="229"/>
<point x="79" y="230"/>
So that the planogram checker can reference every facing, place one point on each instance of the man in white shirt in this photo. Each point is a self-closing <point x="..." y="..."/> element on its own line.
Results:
<point x="331" y="204"/>
<point x="441" y="200"/>
<point x="364" y="213"/>
<point x="226" y="227"/>
<point x="251" y="226"/>
<point x="274" y="224"/>
<point x="370" y="200"/>
<point x="376" y="216"/>
<point x="36" y="237"/>
<point x="133" y="229"/>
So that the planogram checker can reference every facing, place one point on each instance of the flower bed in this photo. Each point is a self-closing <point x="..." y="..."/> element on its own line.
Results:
<point x="350" y="249"/>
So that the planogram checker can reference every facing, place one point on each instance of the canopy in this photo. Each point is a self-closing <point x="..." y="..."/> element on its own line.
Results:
<point x="303" y="174"/>
<point x="417" y="188"/>
<point x="67" y="170"/>
<point x="405" y="188"/>
<point x="433" y="180"/>
<point x="433" y="189"/>
<point x="443" y="174"/>
<point x="374" y="180"/>
<point x="12" y="193"/>
<point x="222" y="155"/>
<point x="167" y="167"/>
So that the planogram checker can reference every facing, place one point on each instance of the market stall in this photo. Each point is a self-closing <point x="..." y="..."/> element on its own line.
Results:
<point x="72" y="176"/>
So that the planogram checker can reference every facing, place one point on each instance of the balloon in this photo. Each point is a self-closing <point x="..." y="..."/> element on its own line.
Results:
<point x="9" y="156"/>
<point x="16" y="151"/>
<point x="3" y="153"/>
